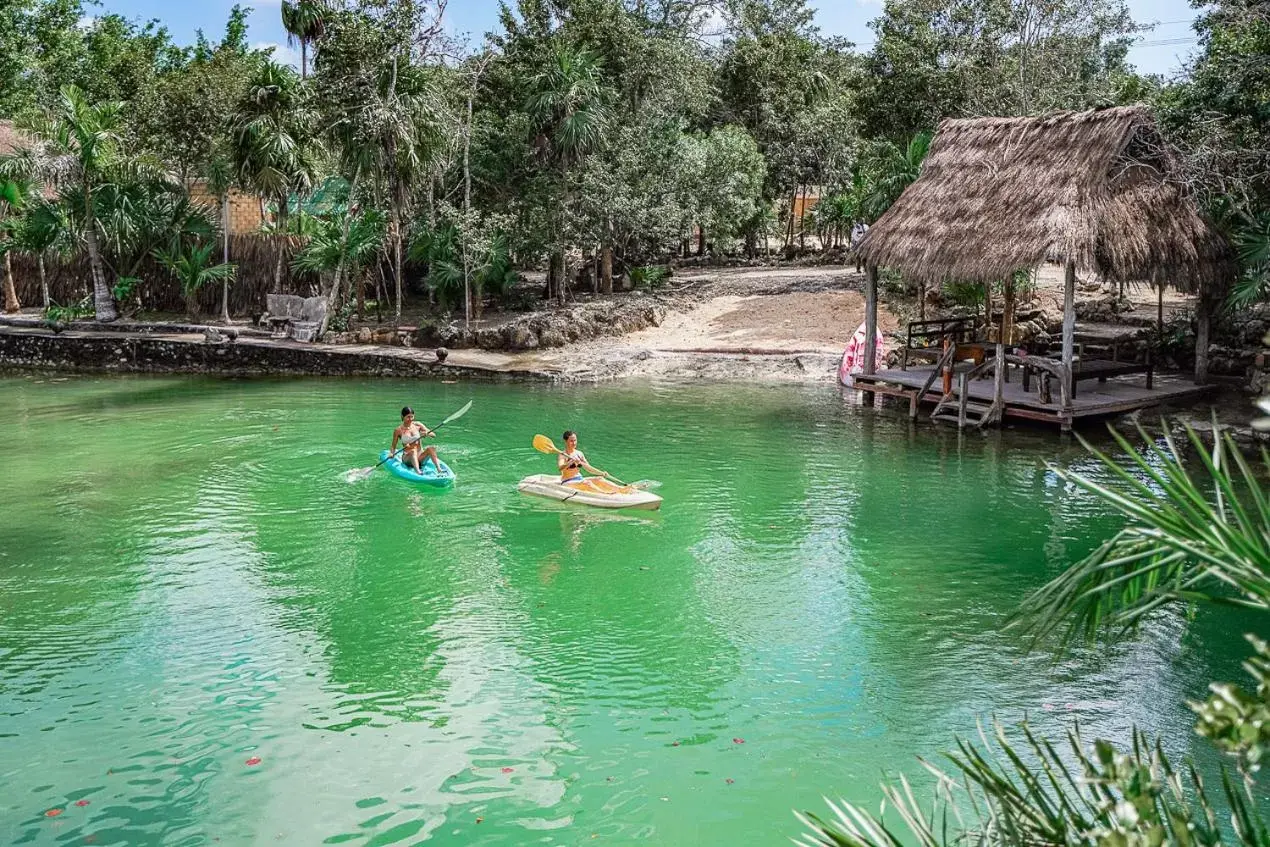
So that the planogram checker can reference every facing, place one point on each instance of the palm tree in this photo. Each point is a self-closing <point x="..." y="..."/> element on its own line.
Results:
<point x="193" y="269"/>
<point x="220" y="181"/>
<point x="272" y="146"/>
<point x="569" y="105"/>
<point x="347" y="245"/>
<point x="43" y="229"/>
<point x="77" y="147"/>
<point x="898" y="168"/>
<point x="12" y="198"/>
<point x="305" y="22"/>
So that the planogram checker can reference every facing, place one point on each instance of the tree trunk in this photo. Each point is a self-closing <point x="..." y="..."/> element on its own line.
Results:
<point x="793" y="207"/>
<point x="281" y="238"/>
<point x="701" y="238"/>
<point x="304" y="58"/>
<point x="103" y="299"/>
<point x="396" y="273"/>
<point x="44" y="282"/>
<point x="224" y="225"/>
<point x="337" y="279"/>
<point x="1007" y="313"/>
<point x="11" y="303"/>
<point x="802" y="217"/>
<point x="606" y="262"/>
<point x="1203" y="323"/>
<point x="921" y="300"/>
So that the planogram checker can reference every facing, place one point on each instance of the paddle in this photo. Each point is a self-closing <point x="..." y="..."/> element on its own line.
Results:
<point x="362" y="473"/>
<point x="543" y="444"/>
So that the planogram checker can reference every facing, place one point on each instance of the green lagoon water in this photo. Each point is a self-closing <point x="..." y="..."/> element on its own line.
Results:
<point x="187" y="583"/>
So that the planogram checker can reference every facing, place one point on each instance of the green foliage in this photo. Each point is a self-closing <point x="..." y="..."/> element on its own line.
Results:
<point x="1252" y="240"/>
<point x="1196" y="529"/>
<point x="1023" y="790"/>
<point x="56" y="314"/>
<point x="1236" y="721"/>
<point x="192" y="267"/>
<point x="339" y="322"/>
<point x="650" y="277"/>
<point x="894" y="169"/>
<point x="124" y="287"/>
<point x="328" y="246"/>
<point x="271" y="139"/>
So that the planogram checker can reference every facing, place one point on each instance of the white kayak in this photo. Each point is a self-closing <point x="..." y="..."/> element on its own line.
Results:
<point x="549" y="486"/>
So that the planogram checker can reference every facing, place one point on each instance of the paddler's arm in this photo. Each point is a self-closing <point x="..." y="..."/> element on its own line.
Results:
<point x="396" y="434"/>
<point x="583" y="462"/>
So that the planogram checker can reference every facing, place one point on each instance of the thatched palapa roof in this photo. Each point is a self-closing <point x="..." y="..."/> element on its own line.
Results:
<point x="1102" y="188"/>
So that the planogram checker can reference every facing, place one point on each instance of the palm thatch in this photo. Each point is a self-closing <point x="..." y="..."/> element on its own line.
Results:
<point x="1099" y="188"/>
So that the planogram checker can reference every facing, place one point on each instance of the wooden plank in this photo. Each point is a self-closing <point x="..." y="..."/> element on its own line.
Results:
<point x="870" y="318"/>
<point x="1069" y="318"/>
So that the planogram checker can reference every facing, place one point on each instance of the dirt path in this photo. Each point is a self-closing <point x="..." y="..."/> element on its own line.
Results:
<point x="781" y="324"/>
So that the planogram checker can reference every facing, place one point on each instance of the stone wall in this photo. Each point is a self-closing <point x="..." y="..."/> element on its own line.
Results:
<point x="554" y="328"/>
<point x="135" y="354"/>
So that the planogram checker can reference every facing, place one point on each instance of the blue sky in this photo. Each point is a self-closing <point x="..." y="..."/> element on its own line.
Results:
<point x="848" y="18"/>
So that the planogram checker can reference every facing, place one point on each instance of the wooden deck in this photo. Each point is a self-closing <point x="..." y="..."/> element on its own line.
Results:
<point x="1093" y="399"/>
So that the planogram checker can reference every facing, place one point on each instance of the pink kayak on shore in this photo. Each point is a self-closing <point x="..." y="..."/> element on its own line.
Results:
<point x="853" y="356"/>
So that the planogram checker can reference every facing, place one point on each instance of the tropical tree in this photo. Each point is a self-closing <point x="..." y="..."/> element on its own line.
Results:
<point x="345" y="245"/>
<point x="192" y="266"/>
<point x="12" y="198"/>
<point x="41" y="231"/>
<point x="569" y="105"/>
<point x="305" y="22"/>
<point x="76" y="151"/>
<point x="1197" y="530"/>
<point x="895" y="169"/>
<point x="272" y="144"/>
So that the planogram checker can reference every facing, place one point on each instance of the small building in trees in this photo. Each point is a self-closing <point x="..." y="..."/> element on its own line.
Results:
<point x="1099" y="192"/>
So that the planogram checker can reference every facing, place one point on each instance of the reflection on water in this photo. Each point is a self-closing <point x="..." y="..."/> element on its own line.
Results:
<point x="820" y="600"/>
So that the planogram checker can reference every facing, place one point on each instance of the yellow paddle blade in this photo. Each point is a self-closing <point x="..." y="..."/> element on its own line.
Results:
<point x="543" y="444"/>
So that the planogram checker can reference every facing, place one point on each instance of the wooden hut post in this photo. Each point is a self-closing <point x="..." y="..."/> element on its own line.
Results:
<point x="1069" y="321"/>
<point x="870" y="323"/>
<point x="1203" y="311"/>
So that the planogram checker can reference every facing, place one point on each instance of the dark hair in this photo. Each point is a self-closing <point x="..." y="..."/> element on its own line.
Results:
<point x="406" y="410"/>
<point x="567" y="433"/>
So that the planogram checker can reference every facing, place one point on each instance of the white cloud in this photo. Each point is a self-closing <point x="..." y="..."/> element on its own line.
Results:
<point x="281" y="53"/>
<point x="87" y="22"/>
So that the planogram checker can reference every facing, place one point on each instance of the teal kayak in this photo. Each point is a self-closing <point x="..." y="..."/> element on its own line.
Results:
<point x="430" y="477"/>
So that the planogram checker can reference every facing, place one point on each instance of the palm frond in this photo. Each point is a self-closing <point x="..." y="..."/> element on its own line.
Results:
<point x="1198" y="532"/>
<point x="1020" y="789"/>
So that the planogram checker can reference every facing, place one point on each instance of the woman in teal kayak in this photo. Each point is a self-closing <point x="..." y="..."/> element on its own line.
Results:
<point x="410" y="434"/>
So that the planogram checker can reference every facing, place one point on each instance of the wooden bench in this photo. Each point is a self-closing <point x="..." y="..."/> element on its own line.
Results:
<point x="1099" y="369"/>
<point x="930" y="335"/>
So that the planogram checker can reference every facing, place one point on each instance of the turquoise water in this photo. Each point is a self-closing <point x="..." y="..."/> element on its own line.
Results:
<point x="187" y="584"/>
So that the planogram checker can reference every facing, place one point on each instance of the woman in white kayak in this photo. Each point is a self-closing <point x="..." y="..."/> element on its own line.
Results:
<point x="571" y="462"/>
<point x="410" y="434"/>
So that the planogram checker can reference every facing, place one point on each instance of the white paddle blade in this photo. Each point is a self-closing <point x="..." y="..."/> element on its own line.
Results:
<point x="358" y="474"/>
<point x="460" y="413"/>
<point x="646" y="484"/>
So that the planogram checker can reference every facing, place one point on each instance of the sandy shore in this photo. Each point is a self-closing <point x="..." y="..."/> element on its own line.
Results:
<point x="771" y="324"/>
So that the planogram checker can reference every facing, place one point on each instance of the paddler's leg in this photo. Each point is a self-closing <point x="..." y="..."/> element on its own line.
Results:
<point x="413" y="456"/>
<point x="430" y="452"/>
